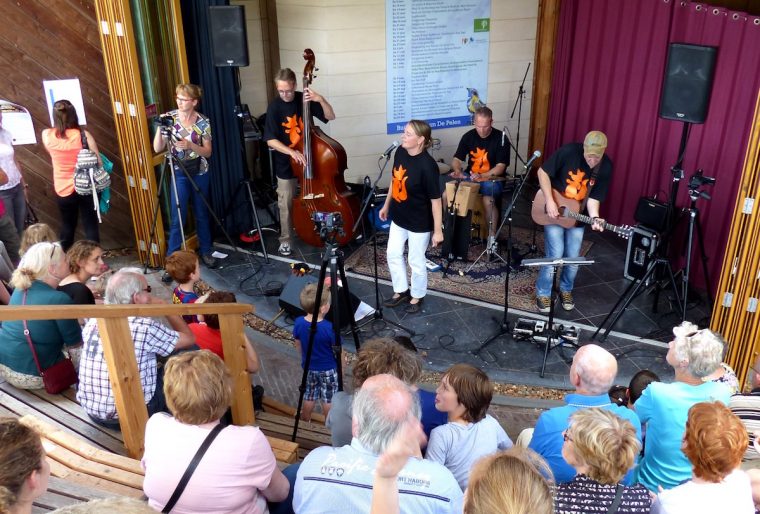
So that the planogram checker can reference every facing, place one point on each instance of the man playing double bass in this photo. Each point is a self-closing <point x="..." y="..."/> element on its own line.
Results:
<point x="282" y="132"/>
<point x="579" y="172"/>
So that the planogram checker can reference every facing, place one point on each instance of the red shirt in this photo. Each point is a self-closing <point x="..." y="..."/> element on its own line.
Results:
<point x="207" y="338"/>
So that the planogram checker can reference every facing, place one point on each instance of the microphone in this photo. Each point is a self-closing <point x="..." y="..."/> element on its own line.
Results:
<point x="533" y="157"/>
<point x="389" y="150"/>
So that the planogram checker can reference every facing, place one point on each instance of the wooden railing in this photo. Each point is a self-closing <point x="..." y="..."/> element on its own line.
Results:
<point x="118" y="349"/>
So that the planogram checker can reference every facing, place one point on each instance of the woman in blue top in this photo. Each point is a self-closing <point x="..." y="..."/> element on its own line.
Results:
<point x="694" y="354"/>
<point x="35" y="281"/>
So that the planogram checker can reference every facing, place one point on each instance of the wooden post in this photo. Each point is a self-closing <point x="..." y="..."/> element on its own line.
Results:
<point x="119" y="352"/>
<point x="231" y="326"/>
<point x="546" y="36"/>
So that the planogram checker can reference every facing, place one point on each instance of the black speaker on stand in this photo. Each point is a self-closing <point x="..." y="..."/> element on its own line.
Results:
<point x="229" y="38"/>
<point x="687" y="83"/>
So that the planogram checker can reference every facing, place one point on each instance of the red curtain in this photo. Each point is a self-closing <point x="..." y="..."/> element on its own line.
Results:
<point x="609" y="66"/>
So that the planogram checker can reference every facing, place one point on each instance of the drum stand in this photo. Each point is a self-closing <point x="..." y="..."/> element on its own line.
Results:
<point x="332" y="258"/>
<point x="492" y="248"/>
<point x="552" y="336"/>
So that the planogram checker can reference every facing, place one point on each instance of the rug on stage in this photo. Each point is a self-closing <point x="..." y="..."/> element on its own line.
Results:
<point x="485" y="281"/>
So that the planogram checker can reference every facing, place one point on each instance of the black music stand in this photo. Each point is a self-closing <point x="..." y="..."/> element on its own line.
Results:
<point x="553" y="339"/>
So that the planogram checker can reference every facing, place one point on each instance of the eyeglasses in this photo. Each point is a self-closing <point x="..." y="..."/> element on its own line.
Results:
<point x="180" y="99"/>
<point x="566" y="437"/>
<point x="52" y="251"/>
<point x="148" y="289"/>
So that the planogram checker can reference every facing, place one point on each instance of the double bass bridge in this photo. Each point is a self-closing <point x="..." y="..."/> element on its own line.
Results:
<point x="312" y="196"/>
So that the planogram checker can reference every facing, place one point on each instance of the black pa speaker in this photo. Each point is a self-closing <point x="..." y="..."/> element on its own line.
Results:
<point x="229" y="40"/>
<point x="641" y="247"/>
<point x="688" y="82"/>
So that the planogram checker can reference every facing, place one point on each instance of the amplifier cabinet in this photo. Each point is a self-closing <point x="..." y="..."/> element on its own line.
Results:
<point x="641" y="247"/>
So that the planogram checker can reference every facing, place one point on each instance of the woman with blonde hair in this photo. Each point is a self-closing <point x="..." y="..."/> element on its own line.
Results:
<point x="238" y="472"/>
<point x="693" y="354"/>
<point x="35" y="280"/>
<point x="191" y="132"/>
<point x="37" y="233"/>
<point x="63" y="142"/>
<point x="715" y="441"/>
<point x="24" y="469"/>
<point x="602" y="447"/>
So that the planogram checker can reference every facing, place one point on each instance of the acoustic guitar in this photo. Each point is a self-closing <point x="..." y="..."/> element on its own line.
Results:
<point x="568" y="214"/>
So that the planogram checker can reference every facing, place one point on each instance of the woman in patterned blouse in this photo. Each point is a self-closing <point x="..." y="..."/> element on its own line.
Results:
<point x="601" y="446"/>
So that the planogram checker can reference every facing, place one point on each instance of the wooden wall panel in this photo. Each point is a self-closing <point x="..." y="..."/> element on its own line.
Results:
<point x="59" y="39"/>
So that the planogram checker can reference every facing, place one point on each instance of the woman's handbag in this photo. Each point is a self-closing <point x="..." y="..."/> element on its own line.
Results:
<point x="58" y="377"/>
<point x="31" y="216"/>
<point x="88" y="176"/>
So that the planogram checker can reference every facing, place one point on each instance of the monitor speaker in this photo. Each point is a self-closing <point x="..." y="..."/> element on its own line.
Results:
<point x="641" y="247"/>
<point x="290" y="300"/>
<point x="229" y="40"/>
<point x="688" y="82"/>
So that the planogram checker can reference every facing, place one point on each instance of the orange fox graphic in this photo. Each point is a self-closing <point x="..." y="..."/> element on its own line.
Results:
<point x="294" y="128"/>
<point x="576" y="188"/>
<point x="479" y="160"/>
<point x="398" y="188"/>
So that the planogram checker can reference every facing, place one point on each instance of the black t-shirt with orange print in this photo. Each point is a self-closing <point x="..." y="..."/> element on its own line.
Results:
<point x="482" y="154"/>
<point x="284" y="122"/>
<point x="571" y="175"/>
<point x="414" y="184"/>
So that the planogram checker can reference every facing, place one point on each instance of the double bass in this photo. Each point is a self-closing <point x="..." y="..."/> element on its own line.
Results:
<point x="323" y="188"/>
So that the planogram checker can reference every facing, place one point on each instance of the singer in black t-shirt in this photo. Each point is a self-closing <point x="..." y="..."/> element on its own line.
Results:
<point x="414" y="205"/>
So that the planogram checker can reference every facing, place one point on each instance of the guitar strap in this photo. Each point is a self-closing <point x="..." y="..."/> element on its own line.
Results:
<point x="591" y="183"/>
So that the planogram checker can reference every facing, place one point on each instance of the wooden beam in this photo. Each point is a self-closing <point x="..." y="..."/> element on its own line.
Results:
<point x="119" y="352"/>
<point x="233" y="341"/>
<point x="546" y="37"/>
<point x="34" y="312"/>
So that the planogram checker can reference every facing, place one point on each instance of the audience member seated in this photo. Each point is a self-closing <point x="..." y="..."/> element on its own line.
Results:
<point x="375" y="357"/>
<point x="602" y="447"/>
<point x="342" y="477"/>
<point x="714" y="441"/>
<point x="238" y="473"/>
<point x="464" y="395"/>
<point x="209" y="337"/>
<point x="638" y="383"/>
<point x="725" y="374"/>
<point x="509" y="482"/>
<point x="184" y="267"/>
<point x="591" y="374"/>
<point x="85" y="260"/>
<point x="37" y="233"/>
<point x="24" y="469"/>
<point x="35" y="280"/>
<point x="747" y="408"/>
<point x="693" y="354"/>
<point x="151" y="339"/>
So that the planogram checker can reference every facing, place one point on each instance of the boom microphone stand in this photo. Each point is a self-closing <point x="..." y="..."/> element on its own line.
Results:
<point x="371" y="197"/>
<point x="518" y="106"/>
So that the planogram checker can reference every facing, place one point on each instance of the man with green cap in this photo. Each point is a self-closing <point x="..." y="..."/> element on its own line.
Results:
<point x="579" y="172"/>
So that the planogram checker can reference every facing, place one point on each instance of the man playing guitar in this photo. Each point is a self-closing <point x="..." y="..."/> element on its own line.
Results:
<point x="579" y="172"/>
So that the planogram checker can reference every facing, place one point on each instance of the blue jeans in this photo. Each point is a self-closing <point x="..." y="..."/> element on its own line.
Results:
<point x="559" y="242"/>
<point x="15" y="205"/>
<point x="186" y="192"/>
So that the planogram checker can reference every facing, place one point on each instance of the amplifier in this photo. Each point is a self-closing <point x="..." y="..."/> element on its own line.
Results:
<point x="641" y="247"/>
<point x="652" y="214"/>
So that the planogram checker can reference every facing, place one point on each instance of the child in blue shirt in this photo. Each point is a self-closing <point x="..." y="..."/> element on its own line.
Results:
<point x="322" y="376"/>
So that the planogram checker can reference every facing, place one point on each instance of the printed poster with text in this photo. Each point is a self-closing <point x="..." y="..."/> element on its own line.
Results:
<point x="437" y="61"/>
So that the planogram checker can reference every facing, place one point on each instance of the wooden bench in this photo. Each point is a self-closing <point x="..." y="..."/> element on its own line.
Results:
<point x="62" y="493"/>
<point x="310" y="435"/>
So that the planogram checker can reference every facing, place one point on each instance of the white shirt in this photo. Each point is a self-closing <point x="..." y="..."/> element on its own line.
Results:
<point x="732" y="495"/>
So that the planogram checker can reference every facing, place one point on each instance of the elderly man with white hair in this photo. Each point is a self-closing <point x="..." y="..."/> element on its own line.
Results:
<point x="150" y="337"/>
<point x="592" y="373"/>
<point x="694" y="355"/>
<point x="340" y="479"/>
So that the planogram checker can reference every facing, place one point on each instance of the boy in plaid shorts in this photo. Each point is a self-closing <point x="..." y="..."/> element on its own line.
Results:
<point x="322" y="378"/>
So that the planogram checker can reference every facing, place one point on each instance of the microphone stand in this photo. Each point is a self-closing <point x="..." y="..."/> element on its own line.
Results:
<point x="378" y="314"/>
<point x="504" y="327"/>
<point x="518" y="106"/>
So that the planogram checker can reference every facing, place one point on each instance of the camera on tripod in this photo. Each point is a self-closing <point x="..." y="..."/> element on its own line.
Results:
<point x="328" y="223"/>
<point x="698" y="180"/>
<point x="165" y="120"/>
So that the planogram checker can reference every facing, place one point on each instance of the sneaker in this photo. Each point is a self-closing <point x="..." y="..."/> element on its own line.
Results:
<point x="543" y="303"/>
<point x="166" y="278"/>
<point x="397" y="299"/>
<point x="209" y="261"/>
<point x="284" y="249"/>
<point x="566" y="297"/>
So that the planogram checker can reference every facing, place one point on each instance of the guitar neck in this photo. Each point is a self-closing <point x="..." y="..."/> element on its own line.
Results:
<point x="589" y="220"/>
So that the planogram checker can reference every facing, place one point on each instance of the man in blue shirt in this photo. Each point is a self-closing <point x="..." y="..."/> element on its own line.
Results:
<point x="592" y="373"/>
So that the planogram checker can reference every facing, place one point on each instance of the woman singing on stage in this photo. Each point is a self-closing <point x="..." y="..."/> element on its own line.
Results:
<point x="414" y="206"/>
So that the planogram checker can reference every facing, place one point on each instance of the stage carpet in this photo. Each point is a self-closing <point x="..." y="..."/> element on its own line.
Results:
<point x="484" y="282"/>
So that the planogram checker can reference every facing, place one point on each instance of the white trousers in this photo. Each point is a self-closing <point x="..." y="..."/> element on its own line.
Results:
<point x="418" y="243"/>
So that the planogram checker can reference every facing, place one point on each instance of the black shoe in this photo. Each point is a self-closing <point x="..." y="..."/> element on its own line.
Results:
<point x="166" y="278"/>
<point x="398" y="299"/>
<point x="209" y="261"/>
<point x="414" y="308"/>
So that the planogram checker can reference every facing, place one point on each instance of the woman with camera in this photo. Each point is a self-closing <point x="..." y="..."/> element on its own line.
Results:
<point x="63" y="142"/>
<point x="189" y="136"/>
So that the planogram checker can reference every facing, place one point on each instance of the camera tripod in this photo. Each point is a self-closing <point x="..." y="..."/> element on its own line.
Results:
<point x="332" y="259"/>
<point x="172" y="164"/>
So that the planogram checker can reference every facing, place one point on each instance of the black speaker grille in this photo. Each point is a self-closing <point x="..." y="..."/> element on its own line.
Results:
<point x="229" y="38"/>
<point x="687" y="83"/>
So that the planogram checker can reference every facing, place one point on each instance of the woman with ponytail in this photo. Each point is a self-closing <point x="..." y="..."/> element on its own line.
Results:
<point x="63" y="142"/>
<point x="24" y="469"/>
<point x="35" y="280"/>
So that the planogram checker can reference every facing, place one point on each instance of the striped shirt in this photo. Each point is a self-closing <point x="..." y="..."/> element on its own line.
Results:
<point x="583" y="495"/>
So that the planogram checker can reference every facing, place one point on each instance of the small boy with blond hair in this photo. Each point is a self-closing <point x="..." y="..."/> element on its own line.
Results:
<point x="184" y="268"/>
<point x="465" y="394"/>
<point x="322" y="376"/>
